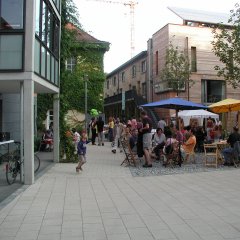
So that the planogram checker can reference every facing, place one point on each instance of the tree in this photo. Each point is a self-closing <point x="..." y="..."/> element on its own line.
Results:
<point x="176" y="72"/>
<point x="226" y="46"/>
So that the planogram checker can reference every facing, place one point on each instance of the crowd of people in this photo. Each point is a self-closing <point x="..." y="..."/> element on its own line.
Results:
<point x="152" y="146"/>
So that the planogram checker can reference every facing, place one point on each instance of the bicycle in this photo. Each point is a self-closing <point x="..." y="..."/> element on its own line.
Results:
<point x="13" y="166"/>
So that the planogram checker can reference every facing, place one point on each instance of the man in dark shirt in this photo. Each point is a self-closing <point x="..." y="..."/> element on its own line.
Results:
<point x="147" y="138"/>
<point x="227" y="152"/>
<point x="100" y="126"/>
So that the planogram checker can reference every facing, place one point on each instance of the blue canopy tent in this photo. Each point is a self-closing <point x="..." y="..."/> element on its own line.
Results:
<point x="175" y="103"/>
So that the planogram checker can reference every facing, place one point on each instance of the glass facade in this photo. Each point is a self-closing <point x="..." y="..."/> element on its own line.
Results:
<point x="47" y="41"/>
<point x="11" y="35"/>
<point x="11" y="14"/>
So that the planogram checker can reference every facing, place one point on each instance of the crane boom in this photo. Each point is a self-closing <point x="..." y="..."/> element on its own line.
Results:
<point x="132" y="5"/>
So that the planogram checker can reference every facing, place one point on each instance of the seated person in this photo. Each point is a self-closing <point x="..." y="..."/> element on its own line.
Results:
<point x="227" y="152"/>
<point x="159" y="140"/>
<point x="48" y="140"/>
<point x="189" y="145"/>
<point x="133" y="141"/>
<point x="170" y="146"/>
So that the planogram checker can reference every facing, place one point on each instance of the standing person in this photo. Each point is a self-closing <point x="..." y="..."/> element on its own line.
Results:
<point x="100" y="126"/>
<point x="93" y="130"/>
<point x="117" y="132"/>
<point x="147" y="138"/>
<point x="110" y="128"/>
<point x="81" y="150"/>
<point x="162" y="124"/>
<point x="76" y="139"/>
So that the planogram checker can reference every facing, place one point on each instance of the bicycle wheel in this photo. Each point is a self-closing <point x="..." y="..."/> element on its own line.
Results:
<point x="12" y="168"/>
<point x="36" y="162"/>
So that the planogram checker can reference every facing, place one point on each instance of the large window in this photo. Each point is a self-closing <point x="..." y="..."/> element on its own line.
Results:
<point x="11" y="14"/>
<point x="11" y="52"/>
<point x="11" y="35"/>
<point x="213" y="91"/>
<point x="47" y="41"/>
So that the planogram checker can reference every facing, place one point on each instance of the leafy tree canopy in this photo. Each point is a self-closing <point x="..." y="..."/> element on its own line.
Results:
<point x="226" y="45"/>
<point x="176" y="71"/>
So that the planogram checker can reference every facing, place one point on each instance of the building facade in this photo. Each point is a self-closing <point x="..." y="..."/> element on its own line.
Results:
<point x="125" y="88"/>
<point x="193" y="38"/>
<point x="29" y="64"/>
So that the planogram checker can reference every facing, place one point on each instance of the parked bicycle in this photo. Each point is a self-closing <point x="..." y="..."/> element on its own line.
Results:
<point x="13" y="166"/>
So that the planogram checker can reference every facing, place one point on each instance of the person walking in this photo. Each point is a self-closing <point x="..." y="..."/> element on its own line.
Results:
<point x="81" y="150"/>
<point x="100" y="126"/>
<point x="147" y="138"/>
<point x="117" y="132"/>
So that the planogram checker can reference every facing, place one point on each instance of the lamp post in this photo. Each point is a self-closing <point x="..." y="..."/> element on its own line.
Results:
<point x="85" y="84"/>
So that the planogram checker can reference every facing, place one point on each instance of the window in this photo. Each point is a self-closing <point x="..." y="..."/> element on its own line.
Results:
<point x="114" y="81"/>
<point x="143" y="66"/>
<point x="37" y="57"/>
<point x="144" y="89"/>
<point x="193" y="59"/>
<point x="212" y="91"/>
<point x="47" y="38"/>
<point x="133" y="71"/>
<point x="11" y="14"/>
<point x="156" y="62"/>
<point x="37" y="18"/>
<point x="11" y="52"/>
<point x="107" y="84"/>
<point x="43" y="61"/>
<point x="123" y="76"/>
<point x="130" y="86"/>
<point x="70" y="64"/>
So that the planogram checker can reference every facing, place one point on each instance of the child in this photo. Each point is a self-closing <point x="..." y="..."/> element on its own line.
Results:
<point x="81" y="150"/>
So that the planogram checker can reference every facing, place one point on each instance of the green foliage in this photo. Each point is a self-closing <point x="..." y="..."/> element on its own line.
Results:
<point x="226" y="46"/>
<point x="176" y="72"/>
<point x="72" y="89"/>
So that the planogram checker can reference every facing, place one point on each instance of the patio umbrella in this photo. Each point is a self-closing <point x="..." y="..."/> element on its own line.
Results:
<point x="198" y="114"/>
<point x="175" y="103"/>
<point x="226" y="105"/>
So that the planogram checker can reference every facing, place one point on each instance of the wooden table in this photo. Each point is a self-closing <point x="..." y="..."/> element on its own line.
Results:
<point x="214" y="151"/>
<point x="220" y="146"/>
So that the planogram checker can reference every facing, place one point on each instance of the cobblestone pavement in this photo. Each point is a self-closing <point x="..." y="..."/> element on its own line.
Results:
<point x="105" y="202"/>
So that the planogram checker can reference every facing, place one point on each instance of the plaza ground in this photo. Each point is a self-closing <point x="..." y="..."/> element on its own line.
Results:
<point x="105" y="202"/>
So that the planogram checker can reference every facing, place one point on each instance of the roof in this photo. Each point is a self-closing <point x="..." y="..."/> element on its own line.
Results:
<point x="83" y="36"/>
<point x="128" y="63"/>
<point x="192" y="15"/>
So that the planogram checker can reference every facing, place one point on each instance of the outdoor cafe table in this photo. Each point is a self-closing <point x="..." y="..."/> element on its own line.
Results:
<point x="213" y="152"/>
<point x="220" y="146"/>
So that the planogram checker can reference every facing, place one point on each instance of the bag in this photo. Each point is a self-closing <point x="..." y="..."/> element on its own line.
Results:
<point x="169" y="149"/>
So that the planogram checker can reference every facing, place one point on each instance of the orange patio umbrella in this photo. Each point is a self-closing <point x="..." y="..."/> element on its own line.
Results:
<point x="226" y="105"/>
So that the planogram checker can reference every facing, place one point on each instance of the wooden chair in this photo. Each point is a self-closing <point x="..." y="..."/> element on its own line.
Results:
<point x="129" y="155"/>
<point x="211" y="155"/>
<point x="173" y="158"/>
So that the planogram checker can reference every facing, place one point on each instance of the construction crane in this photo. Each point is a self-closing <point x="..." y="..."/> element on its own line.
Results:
<point x="132" y="5"/>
